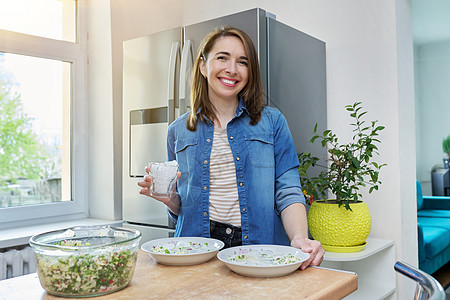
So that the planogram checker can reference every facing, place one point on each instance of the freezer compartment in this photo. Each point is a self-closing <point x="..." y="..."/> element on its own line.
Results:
<point x="150" y="233"/>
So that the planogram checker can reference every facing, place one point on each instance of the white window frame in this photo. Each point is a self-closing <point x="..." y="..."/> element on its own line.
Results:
<point x="74" y="53"/>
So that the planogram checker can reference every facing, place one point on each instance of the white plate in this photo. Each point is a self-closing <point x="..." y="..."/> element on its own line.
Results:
<point x="189" y="258"/>
<point x="257" y="268"/>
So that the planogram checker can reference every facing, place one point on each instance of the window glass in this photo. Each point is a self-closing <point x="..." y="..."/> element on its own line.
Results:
<point x="34" y="130"/>
<point x="55" y="19"/>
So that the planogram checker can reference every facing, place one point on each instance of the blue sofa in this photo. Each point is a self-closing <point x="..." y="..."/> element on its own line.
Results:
<point x="433" y="222"/>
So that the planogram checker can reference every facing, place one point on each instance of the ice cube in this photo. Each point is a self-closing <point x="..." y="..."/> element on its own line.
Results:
<point x="164" y="175"/>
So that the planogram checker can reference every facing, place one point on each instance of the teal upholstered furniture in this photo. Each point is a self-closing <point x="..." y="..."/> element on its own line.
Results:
<point x="433" y="222"/>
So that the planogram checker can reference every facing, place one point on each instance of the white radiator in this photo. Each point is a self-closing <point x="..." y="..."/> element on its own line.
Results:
<point x="17" y="262"/>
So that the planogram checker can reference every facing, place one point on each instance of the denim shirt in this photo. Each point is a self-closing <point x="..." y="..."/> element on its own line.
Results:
<point x="266" y="173"/>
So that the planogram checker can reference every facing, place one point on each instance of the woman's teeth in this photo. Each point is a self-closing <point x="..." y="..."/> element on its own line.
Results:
<point x="228" y="81"/>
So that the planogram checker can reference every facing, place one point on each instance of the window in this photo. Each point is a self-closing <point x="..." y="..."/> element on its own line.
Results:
<point x="43" y="117"/>
<point x="55" y="19"/>
<point x="34" y="98"/>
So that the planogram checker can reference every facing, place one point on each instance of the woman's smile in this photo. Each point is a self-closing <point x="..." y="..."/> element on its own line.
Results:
<point x="228" y="82"/>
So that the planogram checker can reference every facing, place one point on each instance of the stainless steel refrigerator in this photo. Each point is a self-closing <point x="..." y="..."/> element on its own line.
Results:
<point x="156" y="91"/>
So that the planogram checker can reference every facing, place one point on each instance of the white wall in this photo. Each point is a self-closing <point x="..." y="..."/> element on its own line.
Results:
<point x="369" y="58"/>
<point x="406" y="209"/>
<point x="102" y="201"/>
<point x="432" y="71"/>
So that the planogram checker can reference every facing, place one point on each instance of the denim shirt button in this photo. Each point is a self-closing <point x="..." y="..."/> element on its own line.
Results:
<point x="238" y="158"/>
<point x="244" y="209"/>
<point x="208" y="140"/>
<point x="241" y="184"/>
<point x="231" y="137"/>
<point x="205" y="213"/>
<point x="205" y="162"/>
<point x="205" y="188"/>
<point x="245" y="237"/>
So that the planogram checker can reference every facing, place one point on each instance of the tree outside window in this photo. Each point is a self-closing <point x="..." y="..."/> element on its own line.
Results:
<point x="30" y="169"/>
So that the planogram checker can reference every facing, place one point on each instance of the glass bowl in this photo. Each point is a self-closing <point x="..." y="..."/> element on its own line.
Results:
<point x="86" y="261"/>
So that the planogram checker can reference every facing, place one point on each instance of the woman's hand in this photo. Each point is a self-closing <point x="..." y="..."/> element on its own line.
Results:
<point x="172" y="202"/>
<point x="313" y="247"/>
<point x="296" y="225"/>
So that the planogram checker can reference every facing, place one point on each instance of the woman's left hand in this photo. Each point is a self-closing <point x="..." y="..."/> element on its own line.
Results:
<point x="313" y="248"/>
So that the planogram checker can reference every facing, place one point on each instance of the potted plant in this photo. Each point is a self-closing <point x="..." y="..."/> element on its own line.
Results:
<point x="342" y="222"/>
<point x="446" y="148"/>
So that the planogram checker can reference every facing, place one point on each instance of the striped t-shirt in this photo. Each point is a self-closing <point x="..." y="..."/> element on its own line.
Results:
<point x="223" y="195"/>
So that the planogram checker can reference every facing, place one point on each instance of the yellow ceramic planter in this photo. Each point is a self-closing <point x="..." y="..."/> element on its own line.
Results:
<point x="338" y="229"/>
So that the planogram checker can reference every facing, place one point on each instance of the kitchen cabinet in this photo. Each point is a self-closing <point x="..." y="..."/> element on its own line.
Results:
<point x="374" y="266"/>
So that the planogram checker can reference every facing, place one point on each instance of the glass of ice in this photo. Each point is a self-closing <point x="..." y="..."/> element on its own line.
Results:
<point x="164" y="176"/>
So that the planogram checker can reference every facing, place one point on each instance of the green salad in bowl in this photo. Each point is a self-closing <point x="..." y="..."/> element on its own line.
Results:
<point x="86" y="261"/>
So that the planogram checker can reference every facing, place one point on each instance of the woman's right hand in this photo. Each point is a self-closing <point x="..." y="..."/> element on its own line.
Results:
<point x="173" y="202"/>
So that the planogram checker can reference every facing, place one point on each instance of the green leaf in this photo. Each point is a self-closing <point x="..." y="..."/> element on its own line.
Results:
<point x="374" y="176"/>
<point x="362" y="114"/>
<point x="314" y="138"/>
<point x="355" y="163"/>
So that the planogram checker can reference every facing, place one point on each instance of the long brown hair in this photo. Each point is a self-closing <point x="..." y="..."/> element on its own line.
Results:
<point x="252" y="93"/>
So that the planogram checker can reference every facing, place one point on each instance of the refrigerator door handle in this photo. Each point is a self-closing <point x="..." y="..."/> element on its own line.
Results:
<point x="187" y="61"/>
<point x="173" y="61"/>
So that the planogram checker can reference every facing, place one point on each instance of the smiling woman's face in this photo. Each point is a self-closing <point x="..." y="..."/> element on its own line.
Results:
<point x="226" y="69"/>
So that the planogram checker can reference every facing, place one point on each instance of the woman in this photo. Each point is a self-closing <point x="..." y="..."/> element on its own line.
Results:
<point x="238" y="178"/>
